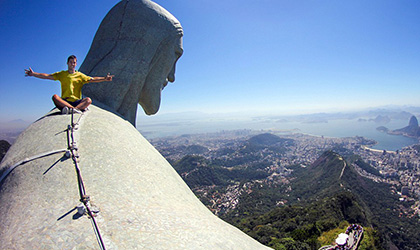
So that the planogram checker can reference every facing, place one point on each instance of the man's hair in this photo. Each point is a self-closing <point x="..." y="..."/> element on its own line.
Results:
<point x="71" y="57"/>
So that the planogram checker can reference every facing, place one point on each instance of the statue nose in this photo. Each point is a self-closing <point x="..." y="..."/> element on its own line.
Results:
<point x="171" y="78"/>
<point x="171" y="75"/>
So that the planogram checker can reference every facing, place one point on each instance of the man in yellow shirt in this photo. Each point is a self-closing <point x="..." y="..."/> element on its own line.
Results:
<point x="72" y="82"/>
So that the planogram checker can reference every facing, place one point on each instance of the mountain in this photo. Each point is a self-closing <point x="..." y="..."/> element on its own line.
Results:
<point x="321" y="196"/>
<point x="14" y="125"/>
<point x="268" y="139"/>
<point x="198" y="171"/>
<point x="10" y="130"/>
<point x="323" y="176"/>
<point x="381" y="119"/>
<point x="413" y="122"/>
<point x="412" y="130"/>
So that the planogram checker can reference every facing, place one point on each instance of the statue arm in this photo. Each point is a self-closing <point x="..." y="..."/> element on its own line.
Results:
<point x="30" y="72"/>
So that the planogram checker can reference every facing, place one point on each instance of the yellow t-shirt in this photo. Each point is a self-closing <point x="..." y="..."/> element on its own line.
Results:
<point x="71" y="84"/>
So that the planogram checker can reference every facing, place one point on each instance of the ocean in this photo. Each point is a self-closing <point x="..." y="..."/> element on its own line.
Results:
<point x="329" y="128"/>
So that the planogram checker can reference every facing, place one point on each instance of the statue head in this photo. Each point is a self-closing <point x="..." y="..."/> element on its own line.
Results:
<point x="139" y="42"/>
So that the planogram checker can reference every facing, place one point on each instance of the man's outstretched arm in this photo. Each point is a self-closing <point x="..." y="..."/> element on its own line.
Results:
<point x="30" y="72"/>
<point x="107" y="78"/>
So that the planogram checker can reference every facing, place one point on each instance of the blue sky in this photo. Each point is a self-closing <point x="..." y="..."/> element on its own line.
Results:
<point x="239" y="55"/>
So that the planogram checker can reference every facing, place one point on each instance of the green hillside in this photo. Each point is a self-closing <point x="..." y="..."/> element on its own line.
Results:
<point x="293" y="207"/>
<point x="198" y="171"/>
<point x="320" y="198"/>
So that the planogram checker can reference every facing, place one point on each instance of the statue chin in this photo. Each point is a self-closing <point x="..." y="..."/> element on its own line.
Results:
<point x="150" y="111"/>
<point x="150" y="104"/>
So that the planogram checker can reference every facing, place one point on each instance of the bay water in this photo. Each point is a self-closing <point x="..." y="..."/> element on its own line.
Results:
<point x="329" y="128"/>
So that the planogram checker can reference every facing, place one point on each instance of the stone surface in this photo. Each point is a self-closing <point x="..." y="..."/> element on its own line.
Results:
<point x="139" y="42"/>
<point x="143" y="202"/>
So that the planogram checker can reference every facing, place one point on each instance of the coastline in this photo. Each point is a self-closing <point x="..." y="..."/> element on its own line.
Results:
<point x="402" y="134"/>
<point x="364" y="147"/>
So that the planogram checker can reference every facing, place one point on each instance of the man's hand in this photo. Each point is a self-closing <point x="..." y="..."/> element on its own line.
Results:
<point x="109" y="77"/>
<point x="29" y="72"/>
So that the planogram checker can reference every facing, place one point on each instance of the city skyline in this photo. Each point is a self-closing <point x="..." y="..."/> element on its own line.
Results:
<point x="288" y="57"/>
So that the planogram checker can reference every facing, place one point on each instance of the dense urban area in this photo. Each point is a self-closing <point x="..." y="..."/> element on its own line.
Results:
<point x="401" y="169"/>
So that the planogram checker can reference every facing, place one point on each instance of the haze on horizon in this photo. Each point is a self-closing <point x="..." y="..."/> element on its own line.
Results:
<point x="283" y="57"/>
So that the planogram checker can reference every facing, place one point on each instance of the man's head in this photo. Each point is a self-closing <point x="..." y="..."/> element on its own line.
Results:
<point x="71" y="62"/>
<point x="139" y="42"/>
<point x="71" y="57"/>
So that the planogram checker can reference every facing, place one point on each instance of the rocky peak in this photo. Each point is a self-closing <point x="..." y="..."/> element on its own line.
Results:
<point x="413" y="122"/>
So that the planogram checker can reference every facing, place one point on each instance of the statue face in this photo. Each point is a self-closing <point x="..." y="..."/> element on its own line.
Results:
<point x="162" y="71"/>
<point x="142" y="54"/>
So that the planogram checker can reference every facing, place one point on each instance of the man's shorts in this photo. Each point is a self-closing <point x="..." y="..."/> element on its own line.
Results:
<point x="75" y="103"/>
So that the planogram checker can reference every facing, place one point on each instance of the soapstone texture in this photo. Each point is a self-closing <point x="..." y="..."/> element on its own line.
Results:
<point x="143" y="202"/>
<point x="139" y="42"/>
